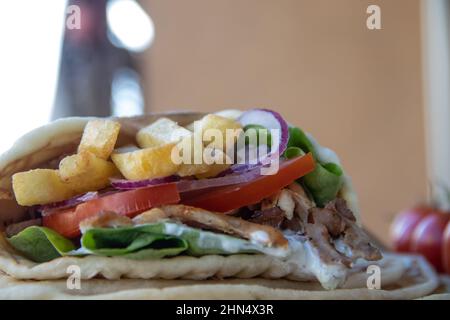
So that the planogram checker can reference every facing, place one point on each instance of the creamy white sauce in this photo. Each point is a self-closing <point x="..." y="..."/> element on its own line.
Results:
<point x="258" y="237"/>
<point x="343" y="248"/>
<point x="174" y="229"/>
<point x="299" y="253"/>
<point x="80" y="252"/>
<point x="228" y="244"/>
<point x="308" y="261"/>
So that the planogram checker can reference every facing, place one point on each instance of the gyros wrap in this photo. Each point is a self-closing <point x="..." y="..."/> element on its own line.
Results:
<point x="104" y="198"/>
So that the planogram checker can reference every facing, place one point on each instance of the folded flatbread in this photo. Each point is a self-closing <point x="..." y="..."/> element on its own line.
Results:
<point x="311" y="253"/>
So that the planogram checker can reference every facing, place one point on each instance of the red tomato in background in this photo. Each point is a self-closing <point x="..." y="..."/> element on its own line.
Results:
<point x="426" y="231"/>
<point x="446" y="250"/>
<point x="427" y="238"/>
<point x="403" y="227"/>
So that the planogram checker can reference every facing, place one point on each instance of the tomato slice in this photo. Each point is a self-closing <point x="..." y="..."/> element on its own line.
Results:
<point x="129" y="203"/>
<point x="232" y="197"/>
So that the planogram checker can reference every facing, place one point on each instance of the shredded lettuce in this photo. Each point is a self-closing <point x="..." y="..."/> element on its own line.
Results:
<point x="326" y="180"/>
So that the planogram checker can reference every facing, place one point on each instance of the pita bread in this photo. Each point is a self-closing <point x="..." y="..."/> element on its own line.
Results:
<point x="403" y="277"/>
<point x="104" y="277"/>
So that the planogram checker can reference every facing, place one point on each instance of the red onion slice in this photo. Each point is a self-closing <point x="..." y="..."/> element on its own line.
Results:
<point x="136" y="184"/>
<point x="49" y="208"/>
<point x="193" y="185"/>
<point x="271" y="120"/>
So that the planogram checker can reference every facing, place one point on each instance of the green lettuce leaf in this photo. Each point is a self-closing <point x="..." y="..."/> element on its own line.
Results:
<point x="326" y="180"/>
<point x="293" y="152"/>
<point x="162" y="236"/>
<point x="150" y="241"/>
<point x="202" y="242"/>
<point x="131" y="242"/>
<point x="41" y="244"/>
<point x="297" y="138"/>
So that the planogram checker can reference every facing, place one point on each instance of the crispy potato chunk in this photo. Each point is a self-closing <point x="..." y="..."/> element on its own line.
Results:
<point x="40" y="186"/>
<point x="213" y="170"/>
<point x="230" y="113"/>
<point x="162" y="131"/>
<point x="214" y="161"/>
<point x="99" y="137"/>
<point x="202" y="171"/>
<point x="147" y="163"/>
<point x="200" y="141"/>
<point x="85" y="172"/>
<point x="211" y="125"/>
<point x="211" y="131"/>
<point x="187" y="170"/>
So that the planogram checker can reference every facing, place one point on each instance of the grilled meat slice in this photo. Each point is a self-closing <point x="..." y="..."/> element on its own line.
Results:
<point x="272" y="217"/>
<point x="339" y="205"/>
<point x="329" y="218"/>
<point x="327" y="228"/>
<point x="215" y="221"/>
<point x="320" y="239"/>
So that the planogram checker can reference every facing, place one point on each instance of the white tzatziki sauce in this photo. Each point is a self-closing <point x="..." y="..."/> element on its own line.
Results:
<point x="308" y="261"/>
<point x="300" y="253"/>
<point x="227" y="243"/>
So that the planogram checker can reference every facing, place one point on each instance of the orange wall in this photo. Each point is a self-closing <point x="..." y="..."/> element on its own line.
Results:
<point x="356" y="90"/>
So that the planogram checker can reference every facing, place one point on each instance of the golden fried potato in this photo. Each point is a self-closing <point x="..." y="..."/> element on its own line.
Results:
<point x="213" y="130"/>
<point x="230" y="113"/>
<point x="201" y="171"/>
<point x="40" y="186"/>
<point x="213" y="162"/>
<point x="187" y="170"/>
<point x="162" y="131"/>
<point x="213" y="170"/>
<point x="147" y="163"/>
<point x="99" y="137"/>
<point x="85" y="172"/>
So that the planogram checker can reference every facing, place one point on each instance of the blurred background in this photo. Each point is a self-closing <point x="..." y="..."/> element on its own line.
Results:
<point x="380" y="98"/>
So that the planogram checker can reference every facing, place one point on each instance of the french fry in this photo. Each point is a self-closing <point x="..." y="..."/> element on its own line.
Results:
<point x="161" y="132"/>
<point x="211" y="125"/>
<point x="194" y="162"/>
<point x="212" y="171"/>
<point x="146" y="163"/>
<point x="187" y="170"/>
<point x="201" y="171"/>
<point x="99" y="137"/>
<point x="230" y="113"/>
<point x="40" y="186"/>
<point x="209" y="167"/>
<point x="85" y="172"/>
